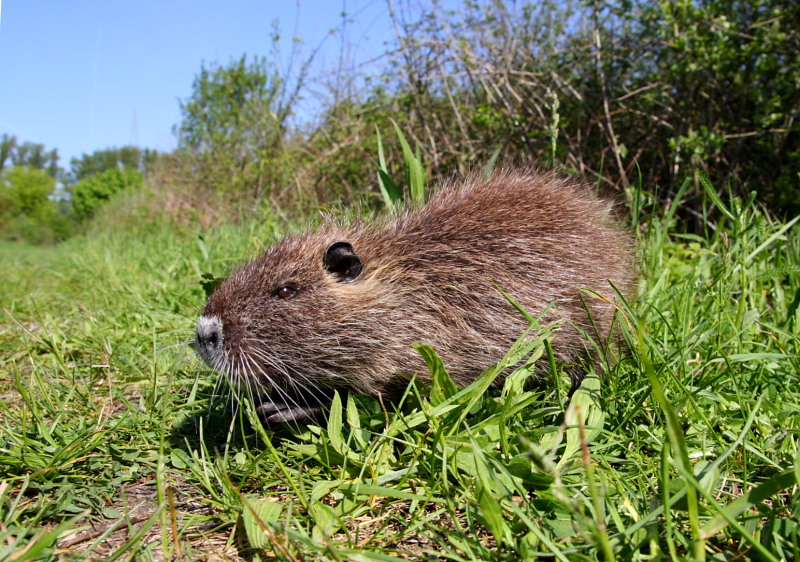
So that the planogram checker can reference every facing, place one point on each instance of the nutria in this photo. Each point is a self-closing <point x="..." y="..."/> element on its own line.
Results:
<point x="340" y="308"/>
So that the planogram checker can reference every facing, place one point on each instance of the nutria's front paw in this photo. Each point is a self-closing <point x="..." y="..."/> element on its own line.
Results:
<point x="281" y="413"/>
<point x="294" y="407"/>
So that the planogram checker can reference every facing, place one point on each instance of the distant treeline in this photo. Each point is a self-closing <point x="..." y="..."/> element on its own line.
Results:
<point x="42" y="203"/>
<point x="621" y="92"/>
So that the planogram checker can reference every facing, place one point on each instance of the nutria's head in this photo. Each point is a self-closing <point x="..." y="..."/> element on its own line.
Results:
<point x="297" y="320"/>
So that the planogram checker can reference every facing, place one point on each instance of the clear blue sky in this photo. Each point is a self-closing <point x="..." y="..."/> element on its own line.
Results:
<point x="80" y="75"/>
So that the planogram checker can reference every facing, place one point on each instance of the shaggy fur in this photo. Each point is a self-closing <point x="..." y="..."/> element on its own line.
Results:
<point x="426" y="276"/>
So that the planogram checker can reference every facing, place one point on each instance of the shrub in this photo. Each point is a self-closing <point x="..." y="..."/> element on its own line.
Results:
<point x="28" y="211"/>
<point x="94" y="191"/>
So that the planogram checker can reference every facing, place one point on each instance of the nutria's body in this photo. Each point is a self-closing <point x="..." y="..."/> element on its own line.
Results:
<point x="341" y="307"/>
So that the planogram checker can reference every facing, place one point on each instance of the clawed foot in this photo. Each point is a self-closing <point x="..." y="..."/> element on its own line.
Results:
<point x="295" y="407"/>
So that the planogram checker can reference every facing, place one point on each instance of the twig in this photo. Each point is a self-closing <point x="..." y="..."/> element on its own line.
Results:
<point x="108" y="529"/>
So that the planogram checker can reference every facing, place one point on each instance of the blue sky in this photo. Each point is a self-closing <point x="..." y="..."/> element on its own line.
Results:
<point x="79" y="75"/>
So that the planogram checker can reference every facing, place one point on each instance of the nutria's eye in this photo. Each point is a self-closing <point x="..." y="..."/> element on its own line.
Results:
<point x="284" y="292"/>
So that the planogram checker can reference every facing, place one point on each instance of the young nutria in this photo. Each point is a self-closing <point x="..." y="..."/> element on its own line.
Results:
<point x="340" y="308"/>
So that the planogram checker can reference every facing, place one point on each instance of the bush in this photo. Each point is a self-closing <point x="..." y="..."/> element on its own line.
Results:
<point x="94" y="191"/>
<point x="619" y="88"/>
<point x="617" y="91"/>
<point x="28" y="211"/>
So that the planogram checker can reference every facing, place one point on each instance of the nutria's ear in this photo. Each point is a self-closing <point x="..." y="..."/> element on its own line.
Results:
<point x="342" y="262"/>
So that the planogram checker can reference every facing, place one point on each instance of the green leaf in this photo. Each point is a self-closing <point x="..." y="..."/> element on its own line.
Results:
<point x="487" y="491"/>
<point x="584" y="411"/>
<point x="335" y="425"/>
<point x="383" y="492"/>
<point x="325" y="519"/>
<point x="391" y="192"/>
<point x="209" y="283"/>
<point x="488" y="168"/>
<point x="442" y="386"/>
<point x="201" y="245"/>
<point x="257" y="513"/>
<point x="415" y="171"/>
<point x="712" y="194"/>
<point x="491" y="513"/>
<point x="179" y="458"/>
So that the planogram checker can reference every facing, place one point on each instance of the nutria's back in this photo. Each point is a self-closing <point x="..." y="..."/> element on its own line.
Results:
<point x="341" y="307"/>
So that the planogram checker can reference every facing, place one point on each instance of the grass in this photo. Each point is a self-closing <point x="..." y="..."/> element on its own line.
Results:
<point x="116" y="443"/>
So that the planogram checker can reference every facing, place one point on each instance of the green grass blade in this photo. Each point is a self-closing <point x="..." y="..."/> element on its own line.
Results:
<point x="678" y="445"/>
<point x="414" y="168"/>
<point x="391" y="192"/>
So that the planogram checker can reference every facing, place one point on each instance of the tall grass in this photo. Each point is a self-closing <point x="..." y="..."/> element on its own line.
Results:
<point x="115" y="442"/>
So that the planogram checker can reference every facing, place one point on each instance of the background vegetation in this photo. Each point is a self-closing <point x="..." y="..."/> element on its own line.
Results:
<point x="616" y="91"/>
<point x="115" y="442"/>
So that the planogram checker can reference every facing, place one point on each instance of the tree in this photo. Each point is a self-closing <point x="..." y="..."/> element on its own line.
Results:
<point x="234" y="123"/>
<point x="27" y="211"/>
<point x="127" y="157"/>
<point x="8" y="143"/>
<point x="27" y="191"/>
<point x="28" y="154"/>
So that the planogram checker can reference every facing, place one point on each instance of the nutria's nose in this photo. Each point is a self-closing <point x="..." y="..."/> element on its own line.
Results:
<point x="208" y="340"/>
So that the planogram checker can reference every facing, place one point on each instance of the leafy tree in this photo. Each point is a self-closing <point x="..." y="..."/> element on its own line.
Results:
<point x="234" y="125"/>
<point x="223" y="101"/>
<point x="8" y="143"/>
<point x="127" y="157"/>
<point x="27" y="211"/>
<point x="27" y="154"/>
<point x="721" y="91"/>
<point x="27" y="191"/>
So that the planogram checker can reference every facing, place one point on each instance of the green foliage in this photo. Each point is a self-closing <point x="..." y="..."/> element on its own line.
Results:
<point x="27" y="210"/>
<point x="337" y="156"/>
<point x="28" y="155"/>
<point x="127" y="157"/>
<point x="611" y="90"/>
<point x="686" y="447"/>
<point x="89" y="194"/>
<point x="27" y="190"/>
<point x="224" y="100"/>
<point x="414" y="171"/>
<point x="234" y="126"/>
<point x="728" y="97"/>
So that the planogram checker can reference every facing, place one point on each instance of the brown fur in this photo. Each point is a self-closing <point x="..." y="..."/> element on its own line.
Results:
<point x="428" y="277"/>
